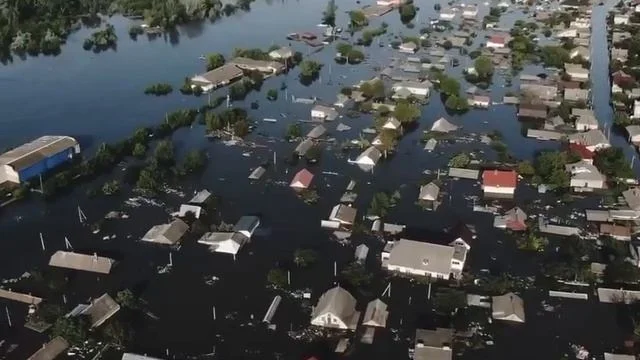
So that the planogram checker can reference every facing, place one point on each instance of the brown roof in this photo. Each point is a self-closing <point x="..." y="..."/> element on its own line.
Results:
<point x="50" y="350"/>
<point x="224" y="73"/>
<point x="615" y="230"/>
<point x="75" y="261"/>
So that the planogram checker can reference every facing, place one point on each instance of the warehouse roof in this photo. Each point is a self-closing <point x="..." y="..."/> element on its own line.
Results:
<point x="41" y="148"/>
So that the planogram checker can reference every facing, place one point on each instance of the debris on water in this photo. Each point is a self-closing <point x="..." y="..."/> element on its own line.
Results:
<point x="246" y="154"/>
<point x="165" y="269"/>
<point x="210" y="280"/>
<point x="112" y="215"/>
<point x="140" y="200"/>
<point x="581" y="352"/>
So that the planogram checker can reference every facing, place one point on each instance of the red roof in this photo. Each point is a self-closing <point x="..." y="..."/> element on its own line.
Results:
<point x="499" y="178"/>
<point x="581" y="150"/>
<point x="302" y="179"/>
<point x="497" y="39"/>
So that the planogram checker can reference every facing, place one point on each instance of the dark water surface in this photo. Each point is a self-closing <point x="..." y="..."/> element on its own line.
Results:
<point x="100" y="98"/>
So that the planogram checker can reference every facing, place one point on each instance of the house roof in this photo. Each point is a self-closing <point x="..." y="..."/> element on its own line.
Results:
<point x="131" y="356"/>
<point x="499" y="178"/>
<point x="429" y="191"/>
<point x="433" y="344"/>
<point x="516" y="214"/>
<point x="50" y="350"/>
<point x="337" y="301"/>
<point x="615" y="230"/>
<point x="376" y="314"/>
<point x="633" y="130"/>
<point x="496" y="39"/>
<point x="257" y="173"/>
<point x="101" y="309"/>
<point x="343" y="213"/>
<point x="576" y="94"/>
<point x="611" y="356"/>
<point x="76" y="261"/>
<point x="200" y="197"/>
<point x="372" y="153"/>
<point x="393" y="122"/>
<point x="422" y="255"/>
<point x="220" y="75"/>
<point x="508" y="307"/>
<point x="316" y="132"/>
<point x="581" y="151"/>
<point x="303" y="147"/>
<point x="37" y="150"/>
<point x="463" y="173"/>
<point x="443" y="125"/>
<point x="632" y="197"/>
<point x="589" y="138"/>
<point x="247" y="224"/>
<point x="302" y="179"/>
<point x="167" y="233"/>
<point x="583" y="170"/>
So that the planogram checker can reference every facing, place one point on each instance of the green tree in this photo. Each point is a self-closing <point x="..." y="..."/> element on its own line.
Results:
<point x="358" y="18"/>
<point x="460" y="160"/>
<point x="484" y="67"/>
<point x="127" y="299"/>
<point x="74" y="329"/>
<point x="380" y="204"/>
<point x="111" y="187"/>
<point x="457" y="103"/>
<point x="304" y="257"/>
<point x="213" y="122"/>
<point x="294" y="131"/>
<point x="194" y="161"/>
<point x="329" y="14"/>
<point x="277" y="278"/>
<point x="139" y="150"/>
<point x="355" y="56"/>
<point x="356" y="275"/>
<point x="613" y="163"/>
<point x="389" y="141"/>
<point x="214" y="61"/>
<point x="148" y="180"/>
<point x="163" y="153"/>
<point x="449" y="86"/>
<point x="525" y="168"/>
<point x="550" y="167"/>
<point x="532" y="241"/>
<point x="373" y="89"/>
<point x="310" y="68"/>
<point x="343" y="48"/>
<point x="272" y="95"/>
<point x="406" y="112"/>
<point x="554" y="56"/>
<point x="241" y="128"/>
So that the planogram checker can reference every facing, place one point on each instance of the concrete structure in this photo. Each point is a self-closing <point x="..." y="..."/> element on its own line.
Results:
<point x="576" y="72"/>
<point x="36" y="158"/>
<point x="316" y="132"/>
<point x="433" y="344"/>
<point x="167" y="234"/>
<point x="508" y="307"/>
<point x="499" y="182"/>
<point x="76" y="261"/>
<point x="336" y="309"/>
<point x="222" y="76"/>
<point x="424" y="259"/>
<point x="376" y="314"/>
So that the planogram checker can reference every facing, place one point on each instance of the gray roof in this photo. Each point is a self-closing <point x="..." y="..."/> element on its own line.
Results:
<point x="464" y="173"/>
<point x="433" y="344"/>
<point x="431" y="144"/>
<point x="329" y="112"/>
<point x="611" y="356"/>
<point x="508" y="307"/>
<point x="583" y="170"/>
<point x="576" y="94"/>
<point x="633" y="130"/>
<point x="371" y="152"/>
<point x="606" y="295"/>
<point x="532" y="113"/>
<point x="422" y="255"/>
<point x="516" y="214"/>
<point x="200" y="197"/>
<point x="215" y="238"/>
<point x="32" y="152"/>
<point x="257" y="173"/>
<point x="589" y="138"/>
<point x="316" y="132"/>
<point x="547" y="228"/>
<point x="544" y="134"/>
<point x="338" y="302"/>
<point x="303" y="147"/>
<point x="544" y="92"/>
<point x="247" y="224"/>
<point x="75" y="261"/>
<point x="50" y="350"/>
<point x="632" y="197"/>
<point x="443" y="125"/>
<point x="376" y="314"/>
<point x="597" y="215"/>
<point x="101" y="309"/>
<point x="131" y="356"/>
<point x="169" y="234"/>
<point x="429" y="191"/>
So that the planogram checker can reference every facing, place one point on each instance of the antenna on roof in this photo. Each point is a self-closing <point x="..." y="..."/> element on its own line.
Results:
<point x="67" y="244"/>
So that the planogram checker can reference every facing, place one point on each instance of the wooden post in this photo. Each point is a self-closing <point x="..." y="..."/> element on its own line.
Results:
<point x="6" y="308"/>
<point x="42" y="242"/>
<point x="429" y="291"/>
<point x="214" y="313"/>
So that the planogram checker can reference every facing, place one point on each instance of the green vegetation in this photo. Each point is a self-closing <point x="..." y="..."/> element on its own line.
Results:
<point x="74" y="329"/>
<point x="329" y="15"/>
<point x="622" y="119"/>
<point x="358" y="19"/>
<point x="194" y="161"/>
<point x="460" y="160"/>
<point x="159" y="89"/>
<point x="484" y="67"/>
<point x="550" y="168"/>
<point x="612" y="163"/>
<point x="406" y="112"/>
<point x="369" y="34"/>
<point x="294" y="131"/>
<point x="101" y="40"/>
<point x="310" y="68"/>
<point x="407" y="11"/>
<point x="449" y="85"/>
<point x="357" y="275"/>
<point x="304" y="257"/>
<point x="255" y="54"/>
<point x="214" y="61"/>
<point x="111" y="187"/>
<point x="239" y="90"/>
<point x="554" y="56"/>
<point x="457" y="103"/>
<point x="381" y="203"/>
<point x="373" y="89"/>
<point x="277" y="278"/>
<point x="272" y="95"/>
<point x="532" y="241"/>
<point x="525" y="168"/>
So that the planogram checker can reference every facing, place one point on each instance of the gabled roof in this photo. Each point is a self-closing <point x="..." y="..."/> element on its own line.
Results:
<point x="429" y="191"/>
<point x="76" y="261"/>
<point x="343" y="213"/>
<point x="516" y="214"/>
<point x="316" y="132"/>
<point x="581" y="151"/>
<point x="302" y="179"/>
<point x="200" y="197"/>
<point x="372" y="153"/>
<point x="589" y="138"/>
<point x="50" y="350"/>
<point x="508" y="307"/>
<point x="338" y="302"/>
<point x="632" y="197"/>
<point x="101" y="309"/>
<point x="496" y="39"/>
<point x="169" y="234"/>
<point x="443" y="125"/>
<point x="499" y="178"/>
<point x="376" y="314"/>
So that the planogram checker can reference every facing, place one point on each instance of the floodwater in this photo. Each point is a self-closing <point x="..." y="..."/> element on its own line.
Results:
<point x="99" y="97"/>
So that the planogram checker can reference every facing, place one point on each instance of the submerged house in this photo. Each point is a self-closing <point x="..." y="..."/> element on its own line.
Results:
<point x="444" y="126"/>
<point x="51" y="350"/>
<point x="222" y="76"/>
<point x="514" y="220"/>
<point x="232" y="242"/>
<point x="98" y="311"/>
<point x="429" y="192"/>
<point x="369" y="157"/>
<point x="324" y="113"/>
<point x="424" y="259"/>
<point x="336" y="309"/>
<point x="585" y="176"/>
<point x="376" y="314"/>
<point x="499" y="182"/>
<point x="433" y="344"/>
<point x="508" y="307"/>
<point x="343" y="215"/>
<point x="167" y="234"/>
<point x="593" y="140"/>
<point x="302" y="180"/>
<point x="83" y="262"/>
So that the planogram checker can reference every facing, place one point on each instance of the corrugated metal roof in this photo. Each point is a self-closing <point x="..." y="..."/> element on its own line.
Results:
<point x="32" y="152"/>
<point x="71" y="260"/>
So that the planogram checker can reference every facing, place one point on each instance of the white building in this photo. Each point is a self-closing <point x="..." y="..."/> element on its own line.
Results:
<point x="580" y="23"/>
<point x="414" y="87"/>
<point x="336" y="309"/>
<point x="392" y="124"/>
<point x="470" y="12"/>
<point x="324" y="112"/>
<point x="429" y="192"/>
<point x="620" y="19"/>
<point x="408" y="47"/>
<point x="369" y="157"/>
<point x="231" y="242"/>
<point x="585" y="176"/>
<point x="634" y="133"/>
<point x="448" y="15"/>
<point x="376" y="314"/>
<point x="282" y="53"/>
<point x="424" y="259"/>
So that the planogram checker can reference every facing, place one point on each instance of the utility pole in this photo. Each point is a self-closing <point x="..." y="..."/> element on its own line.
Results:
<point x="42" y="242"/>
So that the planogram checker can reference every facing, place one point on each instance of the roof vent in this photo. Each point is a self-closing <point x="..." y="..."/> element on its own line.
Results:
<point x="425" y="261"/>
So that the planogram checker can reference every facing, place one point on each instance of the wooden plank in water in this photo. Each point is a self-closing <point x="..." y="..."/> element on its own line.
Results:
<point x="23" y="298"/>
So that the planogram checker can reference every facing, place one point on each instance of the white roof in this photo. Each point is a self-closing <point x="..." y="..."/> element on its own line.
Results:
<point x="376" y="314"/>
<point x="429" y="191"/>
<point x="421" y="256"/>
<point x="338" y="302"/>
<point x="200" y="197"/>
<point x="370" y="153"/>
<point x="443" y="125"/>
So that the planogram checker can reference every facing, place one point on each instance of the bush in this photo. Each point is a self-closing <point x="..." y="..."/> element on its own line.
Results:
<point x="272" y="94"/>
<point x="159" y="89"/>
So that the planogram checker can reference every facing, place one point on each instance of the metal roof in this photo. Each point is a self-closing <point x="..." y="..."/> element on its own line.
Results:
<point x="464" y="173"/>
<point x="223" y="74"/>
<point x="316" y="132"/>
<point x="32" y="152"/>
<point x="50" y="350"/>
<point x="71" y="260"/>
<point x="429" y="191"/>
<point x="131" y="356"/>
<point x="338" y="302"/>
